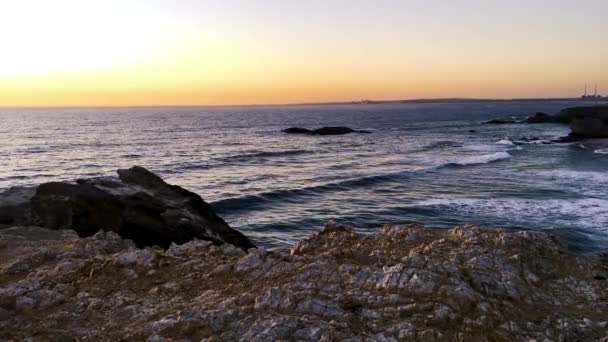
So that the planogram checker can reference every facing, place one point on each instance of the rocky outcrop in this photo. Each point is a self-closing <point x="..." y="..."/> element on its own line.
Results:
<point x="407" y="283"/>
<point x="587" y="122"/>
<point x="546" y="118"/>
<point x="138" y="205"/>
<point x="323" y="131"/>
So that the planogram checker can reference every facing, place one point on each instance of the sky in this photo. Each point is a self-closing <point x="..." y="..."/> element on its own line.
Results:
<point x="205" y="52"/>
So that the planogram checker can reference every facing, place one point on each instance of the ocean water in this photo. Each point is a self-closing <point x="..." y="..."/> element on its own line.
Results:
<point x="431" y="163"/>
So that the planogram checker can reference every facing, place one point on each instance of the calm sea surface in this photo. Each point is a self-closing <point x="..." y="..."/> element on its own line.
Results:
<point x="429" y="163"/>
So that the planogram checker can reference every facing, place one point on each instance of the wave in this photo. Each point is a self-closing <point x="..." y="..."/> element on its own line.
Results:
<point x="589" y="213"/>
<point x="482" y="159"/>
<point x="505" y="141"/>
<point x="601" y="151"/>
<point x="265" y="154"/>
<point x="250" y="202"/>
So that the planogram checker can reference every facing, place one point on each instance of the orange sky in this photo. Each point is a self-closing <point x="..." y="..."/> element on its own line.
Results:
<point x="75" y="53"/>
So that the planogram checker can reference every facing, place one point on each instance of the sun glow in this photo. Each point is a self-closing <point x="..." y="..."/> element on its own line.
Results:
<point x="46" y="37"/>
<point x="174" y="52"/>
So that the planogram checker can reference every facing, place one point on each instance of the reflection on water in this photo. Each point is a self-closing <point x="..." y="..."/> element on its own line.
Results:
<point x="421" y="163"/>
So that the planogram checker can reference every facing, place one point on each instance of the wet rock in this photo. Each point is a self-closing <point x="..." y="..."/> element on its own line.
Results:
<point x="333" y="131"/>
<point x="137" y="205"/>
<point x="296" y="130"/>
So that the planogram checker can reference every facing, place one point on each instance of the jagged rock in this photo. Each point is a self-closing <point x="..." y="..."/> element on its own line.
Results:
<point x="137" y="205"/>
<point x="405" y="283"/>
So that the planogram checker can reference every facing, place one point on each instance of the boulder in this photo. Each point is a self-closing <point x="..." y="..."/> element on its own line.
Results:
<point x="138" y="205"/>
<point x="296" y="130"/>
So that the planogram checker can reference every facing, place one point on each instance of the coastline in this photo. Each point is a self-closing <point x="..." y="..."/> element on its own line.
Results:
<point x="405" y="283"/>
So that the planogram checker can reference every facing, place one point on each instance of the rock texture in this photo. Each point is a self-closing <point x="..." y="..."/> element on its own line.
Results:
<point x="587" y="122"/>
<point x="408" y="283"/>
<point x="138" y="205"/>
<point x="323" y="131"/>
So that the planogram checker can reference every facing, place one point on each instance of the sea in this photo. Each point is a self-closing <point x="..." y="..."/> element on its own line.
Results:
<point x="430" y="163"/>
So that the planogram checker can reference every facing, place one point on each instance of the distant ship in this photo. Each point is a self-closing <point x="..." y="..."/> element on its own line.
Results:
<point x="595" y="96"/>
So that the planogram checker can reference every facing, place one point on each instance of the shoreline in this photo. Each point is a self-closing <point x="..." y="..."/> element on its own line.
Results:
<point x="407" y="282"/>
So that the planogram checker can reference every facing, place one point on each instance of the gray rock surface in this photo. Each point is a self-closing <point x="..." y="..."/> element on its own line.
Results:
<point x="138" y="205"/>
<point x="407" y="283"/>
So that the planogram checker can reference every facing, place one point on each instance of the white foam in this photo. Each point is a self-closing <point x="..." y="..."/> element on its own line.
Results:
<point x="601" y="151"/>
<point x="590" y="213"/>
<point x="482" y="159"/>
<point x="505" y="141"/>
<point x="587" y="183"/>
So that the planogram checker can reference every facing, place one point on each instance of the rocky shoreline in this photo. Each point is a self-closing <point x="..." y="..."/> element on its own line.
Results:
<point x="405" y="283"/>
<point x="134" y="258"/>
<point x="586" y="122"/>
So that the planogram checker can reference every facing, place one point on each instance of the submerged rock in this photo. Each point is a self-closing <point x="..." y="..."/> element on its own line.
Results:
<point x="323" y="131"/>
<point x="138" y="205"/>
<point x="297" y="130"/>
<point x="406" y="283"/>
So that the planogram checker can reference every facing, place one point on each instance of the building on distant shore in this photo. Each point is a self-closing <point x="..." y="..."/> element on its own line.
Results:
<point x="595" y="96"/>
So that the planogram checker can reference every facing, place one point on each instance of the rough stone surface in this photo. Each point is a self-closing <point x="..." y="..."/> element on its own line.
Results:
<point x="138" y="205"/>
<point x="407" y="283"/>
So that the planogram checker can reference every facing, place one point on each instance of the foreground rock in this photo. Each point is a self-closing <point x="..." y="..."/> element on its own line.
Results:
<point x="407" y="283"/>
<point x="138" y="205"/>
<point x="323" y="131"/>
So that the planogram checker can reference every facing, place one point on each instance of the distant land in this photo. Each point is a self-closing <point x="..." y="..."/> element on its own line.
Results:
<point x="598" y="100"/>
<point x="453" y="100"/>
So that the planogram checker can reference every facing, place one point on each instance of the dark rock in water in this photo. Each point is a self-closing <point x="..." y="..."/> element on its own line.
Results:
<point x="586" y="122"/>
<point x="364" y="131"/>
<point x="323" y="131"/>
<point x="297" y="130"/>
<point x="500" y="122"/>
<point x="138" y="205"/>
<point x="546" y="118"/>
<point x="333" y="131"/>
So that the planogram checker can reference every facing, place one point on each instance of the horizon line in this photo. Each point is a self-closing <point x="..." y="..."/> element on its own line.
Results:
<point x="353" y="102"/>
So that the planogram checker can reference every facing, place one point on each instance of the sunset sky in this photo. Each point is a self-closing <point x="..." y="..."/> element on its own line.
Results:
<point x="190" y="52"/>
